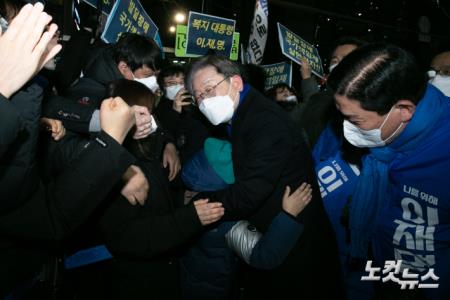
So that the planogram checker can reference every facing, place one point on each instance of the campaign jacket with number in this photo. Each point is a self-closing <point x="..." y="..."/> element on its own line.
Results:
<point x="414" y="223"/>
<point x="337" y="180"/>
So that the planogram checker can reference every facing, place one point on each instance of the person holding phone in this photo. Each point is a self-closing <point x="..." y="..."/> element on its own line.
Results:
<point x="179" y="114"/>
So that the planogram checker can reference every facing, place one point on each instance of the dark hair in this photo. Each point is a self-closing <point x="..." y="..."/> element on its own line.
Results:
<point x="10" y="8"/>
<point x="170" y="70"/>
<point x="377" y="76"/>
<point x="134" y="93"/>
<point x="272" y="92"/>
<point x="221" y="64"/>
<point x="137" y="51"/>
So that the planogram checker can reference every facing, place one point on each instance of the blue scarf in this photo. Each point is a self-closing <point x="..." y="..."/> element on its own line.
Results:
<point x="373" y="185"/>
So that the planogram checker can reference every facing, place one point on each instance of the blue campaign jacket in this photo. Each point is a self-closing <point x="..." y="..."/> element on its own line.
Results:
<point x="337" y="180"/>
<point x="414" y="222"/>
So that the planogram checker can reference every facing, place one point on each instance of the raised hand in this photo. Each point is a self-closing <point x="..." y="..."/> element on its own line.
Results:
<point x="23" y="47"/>
<point x="116" y="118"/>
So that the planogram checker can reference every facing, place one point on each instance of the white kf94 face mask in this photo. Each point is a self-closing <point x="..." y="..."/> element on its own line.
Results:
<point x="442" y="83"/>
<point x="218" y="109"/>
<point x="366" y="138"/>
<point x="172" y="91"/>
<point x="149" y="82"/>
<point x="291" y="98"/>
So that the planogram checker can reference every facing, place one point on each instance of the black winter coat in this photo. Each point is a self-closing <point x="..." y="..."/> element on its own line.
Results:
<point x="77" y="105"/>
<point x="268" y="154"/>
<point x="144" y="240"/>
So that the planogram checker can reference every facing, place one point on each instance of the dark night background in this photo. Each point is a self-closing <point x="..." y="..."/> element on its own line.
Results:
<point x="322" y="22"/>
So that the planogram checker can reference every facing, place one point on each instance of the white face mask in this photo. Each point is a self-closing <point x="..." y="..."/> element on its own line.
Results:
<point x="366" y="138"/>
<point x="218" y="109"/>
<point x="172" y="91"/>
<point x="149" y="82"/>
<point x="442" y="83"/>
<point x="291" y="98"/>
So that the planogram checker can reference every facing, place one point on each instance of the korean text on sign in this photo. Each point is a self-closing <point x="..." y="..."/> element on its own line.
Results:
<point x="277" y="73"/>
<point x="296" y="48"/>
<point x="206" y="32"/>
<point x="128" y="16"/>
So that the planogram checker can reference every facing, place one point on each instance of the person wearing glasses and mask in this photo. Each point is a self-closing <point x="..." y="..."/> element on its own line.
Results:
<point x="268" y="154"/>
<point x="440" y="72"/>
<point x="179" y="114"/>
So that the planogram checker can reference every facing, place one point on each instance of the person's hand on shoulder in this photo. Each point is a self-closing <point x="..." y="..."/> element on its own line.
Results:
<point x="294" y="203"/>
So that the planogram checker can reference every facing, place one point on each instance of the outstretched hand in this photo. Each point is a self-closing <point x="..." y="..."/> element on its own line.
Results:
<point x="23" y="47"/>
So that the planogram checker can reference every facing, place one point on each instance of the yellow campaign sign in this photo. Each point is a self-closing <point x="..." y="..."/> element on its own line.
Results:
<point x="181" y="42"/>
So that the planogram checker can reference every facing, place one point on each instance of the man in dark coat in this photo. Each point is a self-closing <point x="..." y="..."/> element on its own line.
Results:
<point x="268" y="154"/>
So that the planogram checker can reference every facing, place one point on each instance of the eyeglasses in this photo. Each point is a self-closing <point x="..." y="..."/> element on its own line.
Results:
<point x="444" y="71"/>
<point x="209" y="91"/>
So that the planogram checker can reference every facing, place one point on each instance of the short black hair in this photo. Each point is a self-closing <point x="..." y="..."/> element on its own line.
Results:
<point x="272" y="92"/>
<point x="137" y="51"/>
<point x="377" y="76"/>
<point x="132" y="92"/>
<point x="168" y="71"/>
<point x="10" y="8"/>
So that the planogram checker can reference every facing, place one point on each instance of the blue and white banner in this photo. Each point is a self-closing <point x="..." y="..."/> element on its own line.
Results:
<point x="295" y="48"/>
<point x="128" y="16"/>
<point x="258" y="33"/>
<point x="206" y="32"/>
<point x="278" y="73"/>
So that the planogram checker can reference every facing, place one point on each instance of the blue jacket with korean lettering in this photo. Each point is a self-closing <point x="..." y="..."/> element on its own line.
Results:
<point x="413" y="219"/>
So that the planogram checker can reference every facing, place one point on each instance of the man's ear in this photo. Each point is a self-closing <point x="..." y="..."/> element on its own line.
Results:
<point x="237" y="83"/>
<point x="407" y="109"/>
<point x="124" y="69"/>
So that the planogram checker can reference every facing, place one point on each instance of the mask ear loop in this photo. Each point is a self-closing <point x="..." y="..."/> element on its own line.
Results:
<point x="396" y="130"/>
<point x="387" y="117"/>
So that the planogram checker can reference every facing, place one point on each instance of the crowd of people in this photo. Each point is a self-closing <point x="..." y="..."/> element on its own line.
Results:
<point x="201" y="184"/>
